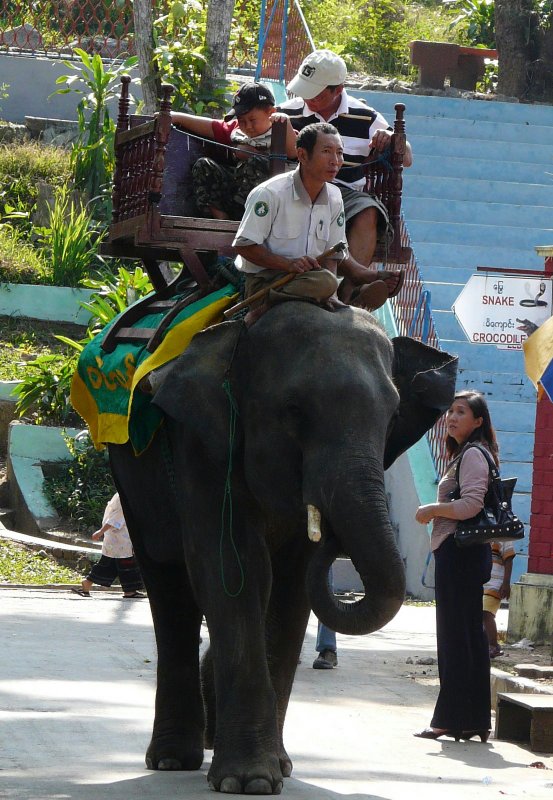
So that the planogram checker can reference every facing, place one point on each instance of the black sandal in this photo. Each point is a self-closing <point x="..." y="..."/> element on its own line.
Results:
<point x="80" y="592"/>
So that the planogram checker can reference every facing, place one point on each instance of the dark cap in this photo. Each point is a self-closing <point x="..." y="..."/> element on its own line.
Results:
<point x="251" y="95"/>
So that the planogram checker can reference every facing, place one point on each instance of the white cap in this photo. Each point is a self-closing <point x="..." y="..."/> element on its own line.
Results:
<point x="320" y="69"/>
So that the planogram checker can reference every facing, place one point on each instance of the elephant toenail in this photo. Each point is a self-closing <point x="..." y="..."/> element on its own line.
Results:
<point x="231" y="786"/>
<point x="258" y="786"/>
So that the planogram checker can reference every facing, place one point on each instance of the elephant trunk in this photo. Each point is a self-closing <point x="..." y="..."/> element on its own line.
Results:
<point x="355" y="522"/>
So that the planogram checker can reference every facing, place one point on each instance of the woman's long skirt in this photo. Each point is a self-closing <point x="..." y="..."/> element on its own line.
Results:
<point x="464" y="701"/>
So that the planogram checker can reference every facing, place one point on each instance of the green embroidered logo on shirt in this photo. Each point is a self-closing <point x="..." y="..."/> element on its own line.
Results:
<point x="261" y="208"/>
<point x="340" y="220"/>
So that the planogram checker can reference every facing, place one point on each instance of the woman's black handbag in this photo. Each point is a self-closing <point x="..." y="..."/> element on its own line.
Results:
<point x="496" y="521"/>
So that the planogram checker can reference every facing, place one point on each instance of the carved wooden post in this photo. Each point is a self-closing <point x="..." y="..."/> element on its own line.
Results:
<point x="396" y="177"/>
<point x="277" y="158"/>
<point x="122" y="125"/>
<point x="162" y="137"/>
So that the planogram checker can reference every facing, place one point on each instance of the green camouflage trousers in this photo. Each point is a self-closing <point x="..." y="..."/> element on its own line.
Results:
<point x="226" y="188"/>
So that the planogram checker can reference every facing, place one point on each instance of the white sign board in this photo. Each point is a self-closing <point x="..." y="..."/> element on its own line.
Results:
<point x="503" y="310"/>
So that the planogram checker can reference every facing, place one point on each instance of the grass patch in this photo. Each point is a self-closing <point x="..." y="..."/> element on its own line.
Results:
<point x="413" y="601"/>
<point x="22" y="340"/>
<point x="19" y="564"/>
<point x="20" y="262"/>
<point x="24" y="165"/>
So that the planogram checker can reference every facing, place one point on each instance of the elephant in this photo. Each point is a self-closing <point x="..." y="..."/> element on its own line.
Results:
<point x="296" y="416"/>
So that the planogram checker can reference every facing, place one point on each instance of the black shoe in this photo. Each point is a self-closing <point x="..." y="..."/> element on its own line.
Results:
<point x="326" y="660"/>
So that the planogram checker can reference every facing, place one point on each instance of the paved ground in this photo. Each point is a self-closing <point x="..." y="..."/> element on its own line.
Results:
<point x="76" y="697"/>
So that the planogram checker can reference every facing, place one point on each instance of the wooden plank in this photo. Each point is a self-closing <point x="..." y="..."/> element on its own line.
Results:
<point x="529" y="701"/>
<point x="126" y="228"/>
<point x="129" y="250"/>
<point x="481" y="52"/>
<point x="134" y="133"/>
<point x="199" y="223"/>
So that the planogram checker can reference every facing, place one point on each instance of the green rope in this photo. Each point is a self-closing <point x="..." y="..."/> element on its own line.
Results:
<point x="226" y="511"/>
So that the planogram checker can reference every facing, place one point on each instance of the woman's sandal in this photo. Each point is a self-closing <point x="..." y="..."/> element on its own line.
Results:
<point x="137" y="595"/>
<point x="483" y="734"/>
<point x="80" y="592"/>
<point x="430" y="733"/>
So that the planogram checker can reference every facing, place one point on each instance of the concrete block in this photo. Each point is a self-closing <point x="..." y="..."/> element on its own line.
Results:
<point x="531" y="608"/>
<point x="525" y="718"/>
<point x="534" y="671"/>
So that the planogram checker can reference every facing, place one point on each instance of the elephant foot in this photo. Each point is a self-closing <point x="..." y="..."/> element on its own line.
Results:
<point x="253" y="779"/>
<point x="257" y="786"/>
<point x="174" y="752"/>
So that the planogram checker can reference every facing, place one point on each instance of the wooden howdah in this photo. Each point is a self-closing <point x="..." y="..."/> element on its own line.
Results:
<point x="154" y="216"/>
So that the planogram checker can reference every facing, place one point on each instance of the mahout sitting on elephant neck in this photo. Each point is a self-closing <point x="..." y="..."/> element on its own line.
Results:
<point x="323" y="401"/>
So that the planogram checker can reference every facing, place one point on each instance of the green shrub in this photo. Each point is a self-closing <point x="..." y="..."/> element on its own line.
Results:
<point x="92" y="157"/>
<point x="180" y="56"/>
<point x="81" y="488"/>
<point x="46" y="383"/>
<point x="476" y="18"/>
<point x="44" y="390"/>
<point x="70" y="242"/>
<point x="114" y="292"/>
<point x="23" y="339"/>
<point x="374" y="36"/>
<point x="18" y="564"/>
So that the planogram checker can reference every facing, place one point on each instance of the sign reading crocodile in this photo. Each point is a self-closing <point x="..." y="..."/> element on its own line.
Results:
<point x="503" y="310"/>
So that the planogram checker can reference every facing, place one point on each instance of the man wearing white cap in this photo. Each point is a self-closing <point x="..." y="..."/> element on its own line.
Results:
<point x="321" y="97"/>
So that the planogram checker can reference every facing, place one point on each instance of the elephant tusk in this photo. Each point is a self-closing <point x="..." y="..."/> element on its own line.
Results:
<point x="313" y="523"/>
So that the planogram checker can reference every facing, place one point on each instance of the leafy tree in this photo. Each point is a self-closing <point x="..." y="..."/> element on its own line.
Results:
<point x="524" y="36"/>
<point x="217" y="37"/>
<point x="145" y="42"/>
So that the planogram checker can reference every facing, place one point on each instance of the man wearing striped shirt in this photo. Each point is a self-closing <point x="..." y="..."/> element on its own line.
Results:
<point x="321" y="97"/>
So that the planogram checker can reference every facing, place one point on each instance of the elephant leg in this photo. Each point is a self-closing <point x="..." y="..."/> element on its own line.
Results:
<point x="177" y="737"/>
<point x="287" y="619"/>
<point x="207" y="680"/>
<point x="246" y="740"/>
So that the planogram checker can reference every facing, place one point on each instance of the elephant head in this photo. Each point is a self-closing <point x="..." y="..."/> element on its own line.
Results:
<point x="325" y="402"/>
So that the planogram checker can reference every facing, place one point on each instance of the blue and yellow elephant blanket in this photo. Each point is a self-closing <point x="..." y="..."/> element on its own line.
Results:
<point x="103" y="386"/>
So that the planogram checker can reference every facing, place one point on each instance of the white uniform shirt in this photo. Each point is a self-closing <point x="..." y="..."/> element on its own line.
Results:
<point x="280" y="216"/>
<point x="116" y="542"/>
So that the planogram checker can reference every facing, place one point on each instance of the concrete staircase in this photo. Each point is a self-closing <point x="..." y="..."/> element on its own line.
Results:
<point x="480" y="193"/>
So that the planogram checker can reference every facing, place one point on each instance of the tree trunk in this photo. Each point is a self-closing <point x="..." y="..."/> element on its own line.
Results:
<point x="515" y="34"/>
<point x="144" y="43"/>
<point x="217" y="37"/>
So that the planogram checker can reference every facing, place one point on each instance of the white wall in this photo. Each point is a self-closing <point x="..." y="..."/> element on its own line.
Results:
<point x="412" y="538"/>
<point x="31" y="79"/>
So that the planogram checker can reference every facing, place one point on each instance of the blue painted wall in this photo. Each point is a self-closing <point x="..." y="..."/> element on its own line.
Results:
<point x="480" y="193"/>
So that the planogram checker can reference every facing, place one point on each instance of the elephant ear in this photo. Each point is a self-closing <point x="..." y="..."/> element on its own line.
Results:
<point x="425" y="378"/>
<point x="193" y="389"/>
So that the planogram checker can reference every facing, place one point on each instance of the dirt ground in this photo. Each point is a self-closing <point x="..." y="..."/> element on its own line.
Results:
<point x="541" y="655"/>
